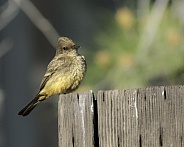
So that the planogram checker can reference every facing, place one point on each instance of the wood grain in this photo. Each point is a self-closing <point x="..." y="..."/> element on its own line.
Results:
<point x="75" y="120"/>
<point x="144" y="117"/>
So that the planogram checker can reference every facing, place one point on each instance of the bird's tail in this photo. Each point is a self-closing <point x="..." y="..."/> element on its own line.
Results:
<point x="30" y="106"/>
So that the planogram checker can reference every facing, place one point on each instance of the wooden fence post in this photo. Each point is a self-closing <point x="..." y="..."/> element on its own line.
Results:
<point x="75" y="120"/>
<point x="145" y="117"/>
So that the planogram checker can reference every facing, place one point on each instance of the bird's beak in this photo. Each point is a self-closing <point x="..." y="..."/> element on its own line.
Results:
<point x="76" y="46"/>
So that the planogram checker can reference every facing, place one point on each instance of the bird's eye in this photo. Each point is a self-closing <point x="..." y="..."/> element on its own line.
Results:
<point x="64" y="48"/>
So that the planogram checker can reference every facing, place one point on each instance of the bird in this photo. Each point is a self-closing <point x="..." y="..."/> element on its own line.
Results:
<point x="63" y="75"/>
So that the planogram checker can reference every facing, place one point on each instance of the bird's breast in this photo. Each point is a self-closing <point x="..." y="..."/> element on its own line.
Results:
<point x="67" y="78"/>
<point x="78" y="69"/>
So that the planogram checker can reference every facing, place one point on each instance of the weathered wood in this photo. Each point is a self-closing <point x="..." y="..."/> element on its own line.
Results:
<point x="150" y="117"/>
<point x="75" y="120"/>
<point x="118" y="118"/>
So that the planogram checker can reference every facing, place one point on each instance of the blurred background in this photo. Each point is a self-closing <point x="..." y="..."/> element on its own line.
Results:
<point x="127" y="44"/>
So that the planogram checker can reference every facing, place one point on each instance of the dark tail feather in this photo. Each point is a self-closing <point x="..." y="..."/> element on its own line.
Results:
<point x="30" y="106"/>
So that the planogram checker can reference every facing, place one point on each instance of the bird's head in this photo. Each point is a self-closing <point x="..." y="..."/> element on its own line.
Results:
<point x="66" y="46"/>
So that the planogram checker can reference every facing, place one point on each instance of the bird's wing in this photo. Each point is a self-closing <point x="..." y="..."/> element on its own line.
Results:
<point x="44" y="80"/>
<point x="51" y="69"/>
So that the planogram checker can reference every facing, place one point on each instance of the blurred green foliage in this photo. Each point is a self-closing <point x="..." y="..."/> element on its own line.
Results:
<point x="123" y="60"/>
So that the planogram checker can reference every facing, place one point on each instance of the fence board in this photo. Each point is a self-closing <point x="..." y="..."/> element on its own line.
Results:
<point x="75" y="120"/>
<point x="144" y="117"/>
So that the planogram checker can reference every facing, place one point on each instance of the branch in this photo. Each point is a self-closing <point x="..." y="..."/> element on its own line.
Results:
<point x="8" y="14"/>
<point x="38" y="20"/>
<point x="151" y="29"/>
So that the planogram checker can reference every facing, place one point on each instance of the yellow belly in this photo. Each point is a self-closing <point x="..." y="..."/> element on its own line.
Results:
<point x="61" y="84"/>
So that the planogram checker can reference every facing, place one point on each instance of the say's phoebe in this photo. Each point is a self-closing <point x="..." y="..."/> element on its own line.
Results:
<point x="64" y="73"/>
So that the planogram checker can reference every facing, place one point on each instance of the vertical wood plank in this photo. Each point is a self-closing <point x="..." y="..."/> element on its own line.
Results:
<point x="75" y="120"/>
<point x="173" y="131"/>
<point x="151" y="116"/>
<point x="118" y="118"/>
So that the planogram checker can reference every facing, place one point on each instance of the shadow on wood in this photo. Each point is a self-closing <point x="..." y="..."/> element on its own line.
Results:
<point x="150" y="117"/>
